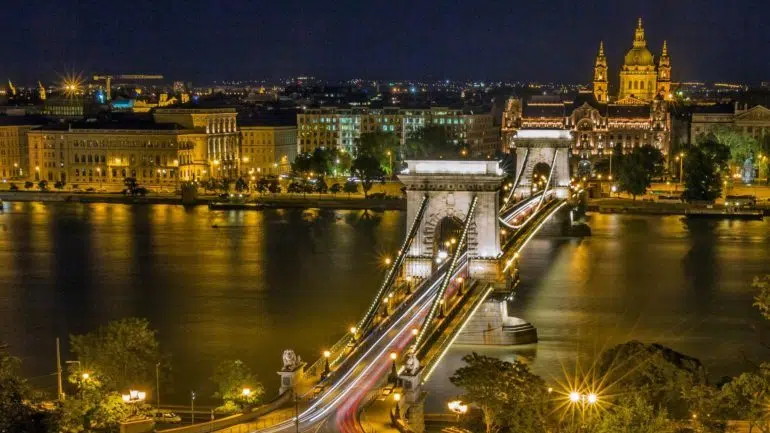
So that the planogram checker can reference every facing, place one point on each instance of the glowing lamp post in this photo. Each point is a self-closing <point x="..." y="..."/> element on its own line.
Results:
<point x="133" y="397"/>
<point x="327" y="369"/>
<point x="458" y="408"/>
<point x="397" y="399"/>
<point x="393" y="366"/>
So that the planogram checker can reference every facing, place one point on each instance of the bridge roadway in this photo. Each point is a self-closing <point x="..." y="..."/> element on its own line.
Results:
<point x="337" y="406"/>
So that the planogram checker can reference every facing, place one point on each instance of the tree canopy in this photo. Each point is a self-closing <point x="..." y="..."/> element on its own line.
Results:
<point x="237" y="386"/>
<point x="637" y="168"/>
<point x="122" y="354"/>
<point x="507" y="394"/>
<point x="431" y="141"/>
<point x="703" y="168"/>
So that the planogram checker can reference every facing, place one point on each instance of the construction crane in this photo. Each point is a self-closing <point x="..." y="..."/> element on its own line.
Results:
<point x="108" y="80"/>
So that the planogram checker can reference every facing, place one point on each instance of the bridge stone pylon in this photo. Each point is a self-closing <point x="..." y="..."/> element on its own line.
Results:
<point x="542" y="146"/>
<point x="450" y="186"/>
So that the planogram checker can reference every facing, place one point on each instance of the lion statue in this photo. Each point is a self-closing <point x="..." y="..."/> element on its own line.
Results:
<point x="290" y="360"/>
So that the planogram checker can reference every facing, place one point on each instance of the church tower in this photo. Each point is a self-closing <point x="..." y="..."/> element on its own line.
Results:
<point x="638" y="76"/>
<point x="664" y="73"/>
<point x="600" y="75"/>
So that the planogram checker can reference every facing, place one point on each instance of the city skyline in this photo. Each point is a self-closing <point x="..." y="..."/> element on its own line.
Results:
<point x="486" y="40"/>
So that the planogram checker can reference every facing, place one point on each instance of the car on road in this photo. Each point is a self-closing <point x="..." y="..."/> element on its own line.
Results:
<point x="166" y="417"/>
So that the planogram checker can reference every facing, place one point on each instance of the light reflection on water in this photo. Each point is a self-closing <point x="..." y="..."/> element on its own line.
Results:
<point x="260" y="282"/>
<point x="683" y="284"/>
<point x="216" y="285"/>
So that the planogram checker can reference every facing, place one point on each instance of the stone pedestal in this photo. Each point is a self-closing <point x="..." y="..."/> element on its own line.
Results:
<point x="137" y="426"/>
<point x="290" y="378"/>
<point x="415" y="414"/>
<point x="492" y="326"/>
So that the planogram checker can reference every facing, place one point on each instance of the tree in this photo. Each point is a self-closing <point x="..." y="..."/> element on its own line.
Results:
<point x="762" y="299"/>
<point x="224" y="185"/>
<point x="59" y="185"/>
<point x="262" y="185"/>
<point x="350" y="187"/>
<point x="507" y="394"/>
<point x="241" y="185"/>
<point x="633" y="414"/>
<point x="335" y="188"/>
<point x="320" y="161"/>
<point x="367" y="168"/>
<point x="42" y="185"/>
<point x="637" y="169"/>
<point x="274" y="187"/>
<point x="707" y="408"/>
<point x="123" y="354"/>
<point x="747" y="396"/>
<point x="131" y="185"/>
<point x="237" y="386"/>
<point x="384" y="146"/>
<point x="320" y="186"/>
<point x="657" y="373"/>
<point x="294" y="188"/>
<point x="703" y="180"/>
<point x="28" y="185"/>
<point x="13" y="187"/>
<point x="740" y="145"/>
<point x="430" y="142"/>
<point x="16" y="412"/>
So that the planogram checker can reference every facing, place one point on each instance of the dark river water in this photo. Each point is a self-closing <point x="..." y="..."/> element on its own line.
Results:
<point x="261" y="282"/>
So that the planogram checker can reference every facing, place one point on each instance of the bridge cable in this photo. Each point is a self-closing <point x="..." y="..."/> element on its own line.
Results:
<point x="392" y="272"/>
<point x="447" y="277"/>
<point x="548" y="183"/>
<point x="515" y="183"/>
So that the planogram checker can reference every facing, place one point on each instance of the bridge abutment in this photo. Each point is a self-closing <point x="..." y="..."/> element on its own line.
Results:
<point x="491" y="325"/>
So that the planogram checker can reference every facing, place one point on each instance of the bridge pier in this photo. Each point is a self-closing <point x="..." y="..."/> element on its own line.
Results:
<point x="492" y="326"/>
<point x="414" y="400"/>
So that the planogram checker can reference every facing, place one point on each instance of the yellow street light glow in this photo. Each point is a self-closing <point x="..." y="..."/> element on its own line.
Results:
<point x="393" y="355"/>
<point x="415" y="331"/>
<point x="246" y="392"/>
<point x="85" y="376"/>
<point x="353" y="330"/>
<point x="387" y="261"/>
<point x="396" y="396"/>
<point x="327" y="354"/>
<point x="574" y="396"/>
<point x="592" y="398"/>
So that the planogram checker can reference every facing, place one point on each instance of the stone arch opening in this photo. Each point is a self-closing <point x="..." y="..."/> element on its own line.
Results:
<point x="540" y="173"/>
<point x="446" y="234"/>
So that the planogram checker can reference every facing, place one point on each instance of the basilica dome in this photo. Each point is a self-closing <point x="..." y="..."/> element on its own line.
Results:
<point x="639" y="56"/>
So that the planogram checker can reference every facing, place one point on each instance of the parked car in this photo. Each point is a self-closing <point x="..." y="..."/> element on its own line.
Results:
<point x="91" y="189"/>
<point x="166" y="417"/>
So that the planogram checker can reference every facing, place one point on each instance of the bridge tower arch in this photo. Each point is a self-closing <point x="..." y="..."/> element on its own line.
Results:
<point x="538" y="148"/>
<point x="451" y="186"/>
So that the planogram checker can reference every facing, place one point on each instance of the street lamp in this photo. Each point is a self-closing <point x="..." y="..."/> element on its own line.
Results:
<point x="133" y="397"/>
<point x="327" y="368"/>
<point x="461" y="282"/>
<point x="192" y="407"/>
<point x="393" y="367"/>
<point x="680" y="158"/>
<point x="246" y="392"/>
<point x="397" y="398"/>
<point x="387" y="261"/>
<point x="458" y="408"/>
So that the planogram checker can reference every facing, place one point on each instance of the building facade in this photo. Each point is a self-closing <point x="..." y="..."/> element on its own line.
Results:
<point x="103" y="155"/>
<point x="267" y="149"/>
<point x="638" y="115"/>
<point x="752" y="120"/>
<point x="214" y="151"/>
<point x="14" y="147"/>
<point x="339" y="128"/>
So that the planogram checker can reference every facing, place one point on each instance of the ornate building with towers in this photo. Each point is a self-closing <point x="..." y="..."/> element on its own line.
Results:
<point x="637" y="115"/>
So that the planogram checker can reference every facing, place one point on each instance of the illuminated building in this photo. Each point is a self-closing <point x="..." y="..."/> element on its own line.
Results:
<point x="750" y="119"/>
<point x="638" y="116"/>
<point x="104" y="153"/>
<point x="640" y="77"/>
<point x="339" y="128"/>
<point x="268" y="145"/>
<point x="217" y="153"/>
<point x="14" y="149"/>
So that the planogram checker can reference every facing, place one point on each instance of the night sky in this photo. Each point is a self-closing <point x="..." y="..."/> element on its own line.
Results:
<point x="554" y="40"/>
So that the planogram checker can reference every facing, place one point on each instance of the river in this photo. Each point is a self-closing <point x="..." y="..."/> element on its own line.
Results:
<point x="246" y="285"/>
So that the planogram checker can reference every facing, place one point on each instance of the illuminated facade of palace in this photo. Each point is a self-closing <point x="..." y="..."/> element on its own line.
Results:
<point x="598" y="122"/>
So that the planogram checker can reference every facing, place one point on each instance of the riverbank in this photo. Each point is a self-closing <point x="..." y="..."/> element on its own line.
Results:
<point x="277" y="201"/>
<point x="647" y="207"/>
